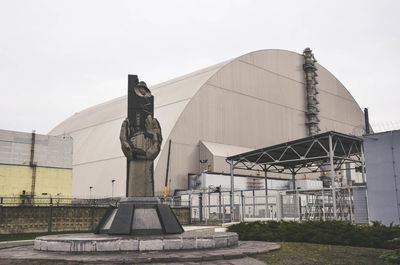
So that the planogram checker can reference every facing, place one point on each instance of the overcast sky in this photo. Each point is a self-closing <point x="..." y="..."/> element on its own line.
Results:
<point x="60" y="57"/>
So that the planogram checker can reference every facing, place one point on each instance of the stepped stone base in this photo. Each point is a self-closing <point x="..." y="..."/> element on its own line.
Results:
<point x="106" y="243"/>
<point x="139" y="216"/>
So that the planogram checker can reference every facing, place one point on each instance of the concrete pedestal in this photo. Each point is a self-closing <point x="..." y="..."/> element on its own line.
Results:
<point x="107" y="243"/>
<point x="139" y="216"/>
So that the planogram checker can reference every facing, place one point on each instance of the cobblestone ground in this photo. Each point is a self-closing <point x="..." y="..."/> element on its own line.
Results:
<point x="237" y="255"/>
<point x="242" y="261"/>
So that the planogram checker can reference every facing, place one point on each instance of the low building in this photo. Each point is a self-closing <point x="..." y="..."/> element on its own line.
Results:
<point x="382" y="160"/>
<point x="34" y="164"/>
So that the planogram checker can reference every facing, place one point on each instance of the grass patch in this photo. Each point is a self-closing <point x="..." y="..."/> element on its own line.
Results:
<point x="30" y="236"/>
<point x="295" y="253"/>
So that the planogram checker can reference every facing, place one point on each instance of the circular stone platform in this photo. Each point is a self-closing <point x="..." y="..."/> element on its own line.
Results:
<point x="104" y="243"/>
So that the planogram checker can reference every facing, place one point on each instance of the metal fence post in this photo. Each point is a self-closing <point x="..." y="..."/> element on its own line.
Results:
<point x="254" y="203"/>
<point x="50" y="222"/>
<point x="332" y="176"/>
<point x="209" y="204"/>
<point x="224" y="210"/>
<point x="232" y="190"/>
<point x="243" y="206"/>
<point x="201" y="207"/>
<point x="190" y="208"/>
<point x="266" y="195"/>
<point x="279" y="206"/>
<point x="219" y="206"/>
<point x="299" y="199"/>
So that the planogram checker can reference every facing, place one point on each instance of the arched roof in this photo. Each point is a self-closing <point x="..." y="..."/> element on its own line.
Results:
<point x="91" y="126"/>
<point x="262" y="83"/>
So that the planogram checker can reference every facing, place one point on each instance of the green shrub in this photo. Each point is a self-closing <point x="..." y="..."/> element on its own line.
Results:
<point x="320" y="232"/>
<point x="392" y="256"/>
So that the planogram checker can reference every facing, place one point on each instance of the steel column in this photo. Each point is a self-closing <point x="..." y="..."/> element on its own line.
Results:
<point x="254" y="203"/>
<point x="294" y="180"/>
<point x="243" y="205"/>
<point x="232" y="190"/>
<point x="266" y="194"/>
<point x="219" y="206"/>
<point x="363" y="164"/>
<point x="332" y="176"/>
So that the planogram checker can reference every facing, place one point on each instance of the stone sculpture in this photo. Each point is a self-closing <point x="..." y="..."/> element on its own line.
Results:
<point x="140" y="213"/>
<point x="140" y="140"/>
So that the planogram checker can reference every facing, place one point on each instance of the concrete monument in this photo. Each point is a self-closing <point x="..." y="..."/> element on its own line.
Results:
<point x="140" y="139"/>
<point x="141" y="222"/>
<point x="140" y="213"/>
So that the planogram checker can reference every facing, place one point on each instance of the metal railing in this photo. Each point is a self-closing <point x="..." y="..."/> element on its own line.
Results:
<point x="251" y="205"/>
<point x="248" y="205"/>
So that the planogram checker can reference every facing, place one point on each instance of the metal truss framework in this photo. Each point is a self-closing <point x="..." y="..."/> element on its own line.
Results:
<point x="310" y="154"/>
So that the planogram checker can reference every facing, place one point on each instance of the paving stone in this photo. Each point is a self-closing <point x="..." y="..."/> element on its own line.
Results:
<point x="129" y="245"/>
<point x="221" y="242"/>
<point x="37" y="244"/>
<point x="146" y="245"/>
<point x="189" y="243"/>
<point x="189" y="258"/>
<point x="82" y="246"/>
<point x="212" y="257"/>
<point x="107" y="246"/>
<point x="233" y="255"/>
<point x="233" y="241"/>
<point x="170" y="244"/>
<point x="205" y="243"/>
<point x="57" y="246"/>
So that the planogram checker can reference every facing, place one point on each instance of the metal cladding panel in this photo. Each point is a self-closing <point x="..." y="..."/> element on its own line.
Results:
<point x="49" y="151"/>
<point x="262" y="84"/>
<point x="252" y="101"/>
<point x="382" y="158"/>
<point x="360" y="205"/>
<point x="97" y="143"/>
<point x="99" y="175"/>
<point x="184" y="160"/>
<point x="286" y="63"/>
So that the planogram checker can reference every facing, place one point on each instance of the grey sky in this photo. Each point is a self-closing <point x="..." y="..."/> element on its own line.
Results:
<point x="60" y="57"/>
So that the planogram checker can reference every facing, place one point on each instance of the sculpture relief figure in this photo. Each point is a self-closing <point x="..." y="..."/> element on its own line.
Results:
<point x="141" y="139"/>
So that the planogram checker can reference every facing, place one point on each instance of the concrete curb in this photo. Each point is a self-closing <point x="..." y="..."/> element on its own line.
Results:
<point x="205" y="255"/>
<point x="11" y="244"/>
<point x="84" y="243"/>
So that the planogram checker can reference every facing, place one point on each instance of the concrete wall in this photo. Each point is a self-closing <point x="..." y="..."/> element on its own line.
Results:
<point x="50" y="151"/>
<point x="52" y="157"/>
<point x="37" y="219"/>
<point x="14" y="179"/>
<point x="20" y="219"/>
<point x="382" y="161"/>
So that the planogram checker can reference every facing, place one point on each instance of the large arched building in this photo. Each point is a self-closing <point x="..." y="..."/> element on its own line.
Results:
<point x="249" y="102"/>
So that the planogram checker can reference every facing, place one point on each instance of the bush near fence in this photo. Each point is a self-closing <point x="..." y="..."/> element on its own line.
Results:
<point x="320" y="232"/>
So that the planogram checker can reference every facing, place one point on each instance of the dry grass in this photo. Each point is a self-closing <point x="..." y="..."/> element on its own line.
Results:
<point x="305" y="253"/>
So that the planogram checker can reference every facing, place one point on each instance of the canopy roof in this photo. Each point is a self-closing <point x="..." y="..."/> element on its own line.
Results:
<point x="311" y="152"/>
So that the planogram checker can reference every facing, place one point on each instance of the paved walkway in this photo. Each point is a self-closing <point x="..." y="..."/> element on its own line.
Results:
<point x="237" y="255"/>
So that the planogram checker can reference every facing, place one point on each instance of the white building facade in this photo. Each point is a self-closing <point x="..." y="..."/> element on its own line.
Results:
<point x="249" y="102"/>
